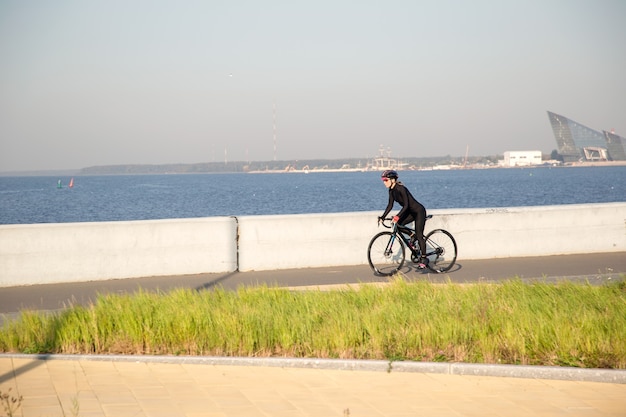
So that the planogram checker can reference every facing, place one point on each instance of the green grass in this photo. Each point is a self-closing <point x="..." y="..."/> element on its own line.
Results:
<point x="512" y="322"/>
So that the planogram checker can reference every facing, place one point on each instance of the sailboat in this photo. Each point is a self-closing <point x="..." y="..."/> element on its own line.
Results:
<point x="59" y="185"/>
<point x="71" y="183"/>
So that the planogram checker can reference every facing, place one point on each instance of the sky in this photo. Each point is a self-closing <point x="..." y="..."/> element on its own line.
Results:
<point x="85" y="83"/>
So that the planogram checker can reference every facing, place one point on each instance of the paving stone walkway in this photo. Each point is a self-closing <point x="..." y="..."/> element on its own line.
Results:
<point x="110" y="388"/>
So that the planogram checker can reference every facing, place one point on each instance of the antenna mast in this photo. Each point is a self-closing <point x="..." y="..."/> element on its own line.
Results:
<point x="274" y="126"/>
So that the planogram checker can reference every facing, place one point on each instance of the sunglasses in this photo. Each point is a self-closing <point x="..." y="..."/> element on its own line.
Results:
<point x="386" y="179"/>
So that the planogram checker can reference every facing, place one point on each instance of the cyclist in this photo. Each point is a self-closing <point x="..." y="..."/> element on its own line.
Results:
<point x="411" y="210"/>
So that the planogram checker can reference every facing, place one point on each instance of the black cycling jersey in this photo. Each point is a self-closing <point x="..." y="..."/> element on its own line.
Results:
<point x="400" y="194"/>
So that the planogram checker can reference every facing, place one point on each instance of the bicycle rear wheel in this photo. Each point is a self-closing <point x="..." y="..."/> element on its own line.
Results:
<point x="385" y="253"/>
<point x="441" y="250"/>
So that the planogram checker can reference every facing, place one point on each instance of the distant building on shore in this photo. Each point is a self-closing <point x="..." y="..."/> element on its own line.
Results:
<point x="576" y="142"/>
<point x="522" y="158"/>
<point x="384" y="161"/>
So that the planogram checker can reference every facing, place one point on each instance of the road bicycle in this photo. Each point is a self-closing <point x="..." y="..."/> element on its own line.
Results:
<point x="387" y="250"/>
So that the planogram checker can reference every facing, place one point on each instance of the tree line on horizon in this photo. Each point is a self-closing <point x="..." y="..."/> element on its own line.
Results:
<point x="279" y="165"/>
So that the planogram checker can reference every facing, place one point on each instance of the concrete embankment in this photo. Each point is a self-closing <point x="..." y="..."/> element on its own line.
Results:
<point x="75" y="252"/>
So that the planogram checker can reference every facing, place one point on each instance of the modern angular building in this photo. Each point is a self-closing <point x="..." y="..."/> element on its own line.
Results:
<point x="576" y="142"/>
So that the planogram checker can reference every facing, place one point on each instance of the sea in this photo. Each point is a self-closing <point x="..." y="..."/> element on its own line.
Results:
<point x="31" y="200"/>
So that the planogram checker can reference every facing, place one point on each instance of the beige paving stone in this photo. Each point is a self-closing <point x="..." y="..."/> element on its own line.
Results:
<point x="106" y="389"/>
<point x="69" y="384"/>
<point x="356" y="409"/>
<point x="164" y="413"/>
<point x="471" y="411"/>
<point x="10" y="387"/>
<point x="261" y="393"/>
<point x="84" y="406"/>
<point x="232" y="401"/>
<point x="197" y="405"/>
<point x="123" y="410"/>
<point x="316" y="408"/>
<point x="25" y="364"/>
<point x="439" y="412"/>
<point x="155" y="392"/>
<point x="86" y="395"/>
<point x="615" y="407"/>
<point x="184" y="392"/>
<point x="35" y="374"/>
<point x="274" y="406"/>
<point x="206" y="414"/>
<point x="40" y="411"/>
<point x="166" y="370"/>
<point x="47" y="399"/>
<point x="161" y="409"/>
<point x="181" y="382"/>
<point x="116" y="397"/>
<point x="33" y="388"/>
<point x="100" y="367"/>
<point x="239" y="411"/>
<point x="141" y="374"/>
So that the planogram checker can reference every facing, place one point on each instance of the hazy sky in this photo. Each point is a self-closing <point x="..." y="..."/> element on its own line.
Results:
<point x="86" y="83"/>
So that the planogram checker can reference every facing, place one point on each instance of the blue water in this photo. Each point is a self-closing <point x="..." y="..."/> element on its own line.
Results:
<point x="112" y="198"/>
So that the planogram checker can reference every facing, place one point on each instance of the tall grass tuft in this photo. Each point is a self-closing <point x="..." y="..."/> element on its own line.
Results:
<point x="512" y="322"/>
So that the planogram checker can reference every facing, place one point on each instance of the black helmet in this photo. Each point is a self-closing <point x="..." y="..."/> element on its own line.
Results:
<point x="390" y="173"/>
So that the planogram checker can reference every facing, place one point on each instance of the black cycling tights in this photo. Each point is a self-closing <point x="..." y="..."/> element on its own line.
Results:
<point x="420" y="222"/>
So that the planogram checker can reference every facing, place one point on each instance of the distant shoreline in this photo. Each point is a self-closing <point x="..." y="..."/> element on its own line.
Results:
<point x="150" y="169"/>
<point x="447" y="168"/>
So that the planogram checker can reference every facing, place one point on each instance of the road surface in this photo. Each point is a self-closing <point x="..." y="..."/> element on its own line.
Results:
<point x="594" y="268"/>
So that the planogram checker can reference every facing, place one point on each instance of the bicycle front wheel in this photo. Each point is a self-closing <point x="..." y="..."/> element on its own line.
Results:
<point x="386" y="253"/>
<point x="441" y="250"/>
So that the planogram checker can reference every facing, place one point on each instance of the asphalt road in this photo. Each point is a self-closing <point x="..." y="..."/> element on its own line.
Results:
<point x="596" y="268"/>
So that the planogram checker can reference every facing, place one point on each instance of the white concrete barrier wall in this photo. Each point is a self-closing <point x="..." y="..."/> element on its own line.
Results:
<point x="304" y="241"/>
<point x="535" y="231"/>
<point x="318" y="240"/>
<point x="50" y="253"/>
<point x="71" y="252"/>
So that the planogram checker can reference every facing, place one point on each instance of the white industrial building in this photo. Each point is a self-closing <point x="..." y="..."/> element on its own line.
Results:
<point x="522" y="158"/>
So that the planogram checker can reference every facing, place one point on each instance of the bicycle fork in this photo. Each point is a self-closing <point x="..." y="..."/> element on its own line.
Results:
<point x="389" y="248"/>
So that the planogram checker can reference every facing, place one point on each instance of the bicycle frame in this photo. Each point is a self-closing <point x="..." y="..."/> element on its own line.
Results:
<point x="401" y="232"/>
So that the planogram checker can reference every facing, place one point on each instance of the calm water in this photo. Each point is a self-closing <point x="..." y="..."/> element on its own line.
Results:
<point x="111" y="198"/>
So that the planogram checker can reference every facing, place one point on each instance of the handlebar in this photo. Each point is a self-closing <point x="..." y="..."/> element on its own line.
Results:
<point x="386" y="219"/>
<point x="389" y="219"/>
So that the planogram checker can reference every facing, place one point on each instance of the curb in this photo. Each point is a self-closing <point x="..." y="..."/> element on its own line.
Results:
<point x="612" y="376"/>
